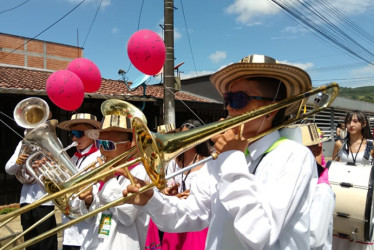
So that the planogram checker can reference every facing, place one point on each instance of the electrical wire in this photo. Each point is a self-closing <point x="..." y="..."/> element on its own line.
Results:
<point x="312" y="19"/>
<point x="188" y="37"/>
<point x="140" y="15"/>
<point x="15" y="7"/>
<point x="93" y="20"/>
<point x="175" y="96"/>
<point x="50" y="26"/>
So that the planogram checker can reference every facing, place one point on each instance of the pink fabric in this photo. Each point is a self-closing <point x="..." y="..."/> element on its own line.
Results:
<point x="323" y="162"/>
<point x="153" y="239"/>
<point x="324" y="178"/>
<point x="185" y="241"/>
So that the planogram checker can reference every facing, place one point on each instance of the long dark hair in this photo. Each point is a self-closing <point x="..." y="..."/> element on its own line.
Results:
<point x="201" y="149"/>
<point x="361" y="117"/>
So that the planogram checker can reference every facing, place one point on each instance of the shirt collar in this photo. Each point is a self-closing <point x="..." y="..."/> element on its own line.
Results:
<point x="259" y="147"/>
<point x="86" y="150"/>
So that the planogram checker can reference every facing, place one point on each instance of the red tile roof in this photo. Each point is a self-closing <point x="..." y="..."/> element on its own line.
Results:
<point x="15" y="79"/>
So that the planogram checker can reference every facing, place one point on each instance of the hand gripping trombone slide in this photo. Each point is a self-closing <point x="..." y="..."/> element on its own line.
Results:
<point x="156" y="150"/>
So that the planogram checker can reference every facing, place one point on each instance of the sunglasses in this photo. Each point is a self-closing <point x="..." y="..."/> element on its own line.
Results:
<point x="239" y="100"/>
<point x="107" y="145"/>
<point x="77" y="133"/>
<point x="187" y="125"/>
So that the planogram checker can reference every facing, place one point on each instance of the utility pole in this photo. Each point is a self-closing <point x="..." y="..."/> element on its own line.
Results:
<point x="169" y="91"/>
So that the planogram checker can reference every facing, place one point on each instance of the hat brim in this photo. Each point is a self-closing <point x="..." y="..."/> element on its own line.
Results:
<point x="95" y="133"/>
<point x="67" y="124"/>
<point x="317" y="141"/>
<point x="295" y="79"/>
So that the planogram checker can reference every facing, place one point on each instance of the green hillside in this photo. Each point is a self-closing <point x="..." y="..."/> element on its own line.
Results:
<point x="361" y="93"/>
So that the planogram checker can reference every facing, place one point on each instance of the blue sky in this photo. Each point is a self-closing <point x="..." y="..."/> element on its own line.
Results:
<point x="215" y="34"/>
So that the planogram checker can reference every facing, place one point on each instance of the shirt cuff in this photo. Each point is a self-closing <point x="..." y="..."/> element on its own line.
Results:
<point x="155" y="203"/>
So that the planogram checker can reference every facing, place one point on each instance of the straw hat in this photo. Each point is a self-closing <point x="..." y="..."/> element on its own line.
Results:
<point x="309" y="134"/>
<point x="295" y="79"/>
<point x="166" y="128"/>
<point x="80" y="118"/>
<point x="119" y="123"/>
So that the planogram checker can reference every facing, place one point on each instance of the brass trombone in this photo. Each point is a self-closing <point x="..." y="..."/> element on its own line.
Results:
<point x="156" y="150"/>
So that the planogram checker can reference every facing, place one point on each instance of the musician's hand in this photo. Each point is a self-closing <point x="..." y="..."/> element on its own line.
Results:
<point x="172" y="190"/>
<point x="138" y="199"/>
<point x="42" y="161"/>
<point x="22" y="159"/>
<point x="184" y="194"/>
<point x="229" y="141"/>
<point x="86" y="196"/>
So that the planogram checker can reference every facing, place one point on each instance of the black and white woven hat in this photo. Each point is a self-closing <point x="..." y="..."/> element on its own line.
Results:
<point x="119" y="123"/>
<point x="80" y="118"/>
<point x="295" y="79"/>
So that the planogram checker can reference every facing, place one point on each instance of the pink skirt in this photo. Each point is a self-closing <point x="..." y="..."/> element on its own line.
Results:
<point x="184" y="241"/>
<point x="153" y="239"/>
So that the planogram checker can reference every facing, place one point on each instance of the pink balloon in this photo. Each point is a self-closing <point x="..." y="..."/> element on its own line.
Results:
<point x="65" y="89"/>
<point x="146" y="51"/>
<point x="88" y="72"/>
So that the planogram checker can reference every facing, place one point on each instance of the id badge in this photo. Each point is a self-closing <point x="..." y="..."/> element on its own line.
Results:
<point x="104" y="227"/>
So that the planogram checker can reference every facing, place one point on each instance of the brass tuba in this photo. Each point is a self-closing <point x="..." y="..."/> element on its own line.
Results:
<point x="155" y="150"/>
<point x="29" y="113"/>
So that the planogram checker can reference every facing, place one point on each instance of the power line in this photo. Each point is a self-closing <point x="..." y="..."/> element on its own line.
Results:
<point x="93" y="20"/>
<point x="189" y="40"/>
<point x="50" y="26"/>
<point x="15" y="7"/>
<point x="311" y="18"/>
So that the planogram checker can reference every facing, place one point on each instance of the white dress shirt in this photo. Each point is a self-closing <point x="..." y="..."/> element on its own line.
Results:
<point x="129" y="225"/>
<point x="29" y="192"/>
<point x="270" y="210"/>
<point x="74" y="235"/>
<point x="321" y="213"/>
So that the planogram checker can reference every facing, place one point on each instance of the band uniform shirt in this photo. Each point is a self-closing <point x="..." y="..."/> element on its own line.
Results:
<point x="270" y="210"/>
<point x="29" y="192"/>
<point x="129" y="225"/>
<point x="321" y="212"/>
<point x="74" y="235"/>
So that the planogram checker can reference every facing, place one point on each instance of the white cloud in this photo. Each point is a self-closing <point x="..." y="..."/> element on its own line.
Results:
<point x="364" y="71"/>
<point x="293" y="29"/>
<point x="353" y="7"/>
<point x="103" y="4"/>
<point x="248" y="10"/>
<point x="218" y="56"/>
<point x="195" y="74"/>
<point x="115" y="30"/>
<point x="304" y="66"/>
<point x="177" y="34"/>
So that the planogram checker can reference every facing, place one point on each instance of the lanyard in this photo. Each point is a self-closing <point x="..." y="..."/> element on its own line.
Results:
<point x="188" y="172"/>
<point x="273" y="146"/>
<point x="355" y="157"/>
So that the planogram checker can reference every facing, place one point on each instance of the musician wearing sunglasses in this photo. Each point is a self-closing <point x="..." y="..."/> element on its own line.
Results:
<point x="123" y="226"/>
<point x="85" y="155"/>
<point x="253" y="196"/>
